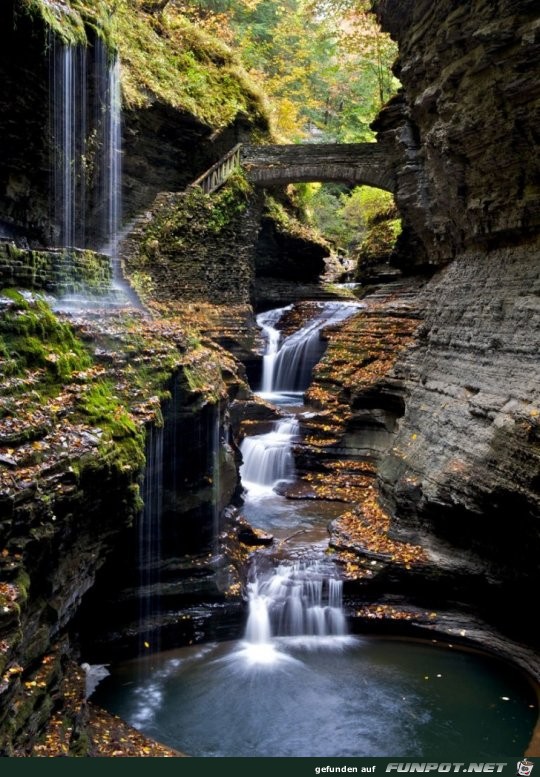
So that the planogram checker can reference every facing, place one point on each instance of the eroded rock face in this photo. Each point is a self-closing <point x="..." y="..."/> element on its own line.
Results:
<point x="463" y="468"/>
<point x="461" y="473"/>
<point x="465" y="129"/>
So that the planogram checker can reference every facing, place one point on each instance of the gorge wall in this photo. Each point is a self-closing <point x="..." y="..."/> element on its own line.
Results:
<point x="461" y="473"/>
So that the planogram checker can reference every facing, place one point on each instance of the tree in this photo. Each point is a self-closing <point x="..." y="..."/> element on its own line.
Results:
<point x="325" y="64"/>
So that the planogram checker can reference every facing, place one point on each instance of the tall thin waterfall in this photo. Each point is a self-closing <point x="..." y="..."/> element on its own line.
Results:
<point x="295" y="600"/>
<point x="69" y="96"/>
<point x="87" y="143"/>
<point x="149" y="540"/>
<point x="109" y="105"/>
<point x="216" y="478"/>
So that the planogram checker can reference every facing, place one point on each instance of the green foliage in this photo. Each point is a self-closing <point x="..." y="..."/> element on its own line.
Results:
<point x="345" y="216"/>
<point x="177" y="226"/>
<point x="378" y="244"/>
<point x="164" y="56"/>
<point x="31" y="337"/>
<point x="325" y="64"/>
<point x="286" y="222"/>
<point x="228" y="203"/>
<point x="364" y="205"/>
<point x="168" y="57"/>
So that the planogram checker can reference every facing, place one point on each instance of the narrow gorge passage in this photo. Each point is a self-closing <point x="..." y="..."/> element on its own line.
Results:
<point x="297" y="683"/>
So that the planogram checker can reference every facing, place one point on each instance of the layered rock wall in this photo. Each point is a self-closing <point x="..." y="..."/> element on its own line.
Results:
<point x="60" y="271"/>
<point x="461" y="475"/>
<point x="464" y="131"/>
<point x="461" y="472"/>
<point x="192" y="247"/>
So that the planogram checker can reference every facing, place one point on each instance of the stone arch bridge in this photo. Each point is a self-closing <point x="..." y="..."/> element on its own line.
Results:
<point x="359" y="164"/>
<point x="353" y="163"/>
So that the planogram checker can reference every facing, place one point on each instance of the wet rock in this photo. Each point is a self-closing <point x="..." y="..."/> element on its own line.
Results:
<point x="252" y="536"/>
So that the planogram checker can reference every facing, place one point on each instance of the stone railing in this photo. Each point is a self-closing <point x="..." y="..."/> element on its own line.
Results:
<point x="216" y="176"/>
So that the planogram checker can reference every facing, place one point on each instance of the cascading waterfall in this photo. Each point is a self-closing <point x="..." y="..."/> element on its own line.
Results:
<point x="69" y="95"/>
<point x="267" y="322"/>
<point x="296" y="600"/>
<point x="268" y="458"/>
<point x="288" y="364"/>
<point x="287" y="370"/>
<point x="109" y="120"/>
<point x="149" y="541"/>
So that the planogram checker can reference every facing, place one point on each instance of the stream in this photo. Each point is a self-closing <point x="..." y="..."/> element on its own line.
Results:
<point x="297" y="683"/>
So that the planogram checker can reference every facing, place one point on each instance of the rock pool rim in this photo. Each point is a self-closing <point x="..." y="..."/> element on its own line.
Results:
<point x="438" y="640"/>
<point x="441" y="640"/>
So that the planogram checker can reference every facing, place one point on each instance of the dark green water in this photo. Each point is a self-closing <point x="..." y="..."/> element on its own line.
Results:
<point x="328" y="697"/>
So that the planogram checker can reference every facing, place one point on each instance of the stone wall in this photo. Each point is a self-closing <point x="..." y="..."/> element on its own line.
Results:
<point x="361" y="164"/>
<point x="192" y="247"/>
<point x="60" y="271"/>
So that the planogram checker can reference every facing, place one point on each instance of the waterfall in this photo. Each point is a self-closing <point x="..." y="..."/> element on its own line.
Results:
<point x="109" y="120"/>
<point x="69" y="96"/>
<point x="295" y="600"/>
<point x="288" y="364"/>
<point x="86" y="141"/>
<point x="149" y="541"/>
<point x="216" y="478"/>
<point x="268" y="458"/>
<point x="272" y="335"/>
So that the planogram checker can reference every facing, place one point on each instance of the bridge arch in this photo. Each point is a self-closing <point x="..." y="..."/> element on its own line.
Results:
<point x="358" y="164"/>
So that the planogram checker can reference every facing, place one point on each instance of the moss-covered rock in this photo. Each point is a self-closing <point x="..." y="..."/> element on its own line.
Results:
<point x="196" y="247"/>
<point x="60" y="271"/>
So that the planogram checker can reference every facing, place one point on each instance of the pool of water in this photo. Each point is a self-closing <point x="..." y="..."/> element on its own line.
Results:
<point x="303" y="520"/>
<point x="329" y="697"/>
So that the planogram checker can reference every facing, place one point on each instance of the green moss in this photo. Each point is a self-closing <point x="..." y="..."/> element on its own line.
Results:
<point x="23" y="585"/>
<point x="102" y="408"/>
<point x="80" y="745"/>
<point x="166" y="56"/>
<point x="65" y="22"/>
<point x="71" y="20"/>
<point x="31" y="337"/>
<point x="228" y="203"/>
<point x="186" y="221"/>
